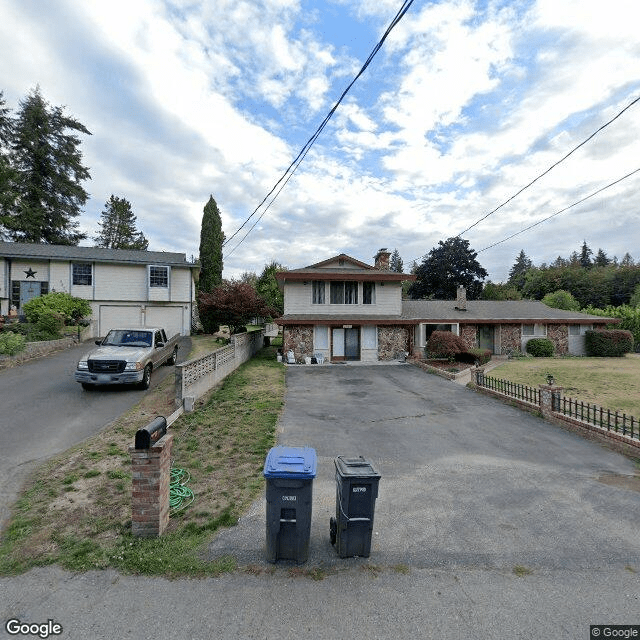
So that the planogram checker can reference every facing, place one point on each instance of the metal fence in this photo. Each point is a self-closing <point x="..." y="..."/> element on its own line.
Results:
<point x="520" y="392"/>
<point x="593" y="414"/>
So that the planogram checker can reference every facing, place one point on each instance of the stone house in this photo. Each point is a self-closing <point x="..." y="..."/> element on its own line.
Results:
<point x="124" y="288"/>
<point x="344" y="309"/>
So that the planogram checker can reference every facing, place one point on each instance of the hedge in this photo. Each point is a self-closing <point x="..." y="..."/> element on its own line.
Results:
<point x="540" y="347"/>
<point x="444" y="344"/>
<point x="471" y="355"/>
<point x="608" y="343"/>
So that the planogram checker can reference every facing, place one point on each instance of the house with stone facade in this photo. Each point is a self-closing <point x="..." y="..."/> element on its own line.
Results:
<point x="344" y="309"/>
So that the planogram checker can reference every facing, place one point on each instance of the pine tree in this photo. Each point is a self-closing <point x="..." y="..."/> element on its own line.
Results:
<point x="211" y="240"/>
<point x="49" y="174"/>
<point x="395" y="262"/>
<point x="519" y="270"/>
<point x="585" y="256"/>
<point x="7" y="174"/>
<point x="118" y="227"/>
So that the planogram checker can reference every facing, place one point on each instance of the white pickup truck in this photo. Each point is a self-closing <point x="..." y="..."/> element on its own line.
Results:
<point x="127" y="356"/>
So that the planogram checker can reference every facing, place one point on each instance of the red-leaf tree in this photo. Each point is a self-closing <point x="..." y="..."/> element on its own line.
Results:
<point x="232" y="303"/>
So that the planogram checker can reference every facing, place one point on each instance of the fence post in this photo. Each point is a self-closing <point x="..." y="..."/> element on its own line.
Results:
<point x="477" y="376"/>
<point x="549" y="399"/>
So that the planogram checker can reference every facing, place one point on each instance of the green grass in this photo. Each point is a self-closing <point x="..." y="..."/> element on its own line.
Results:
<point x="612" y="383"/>
<point x="76" y="509"/>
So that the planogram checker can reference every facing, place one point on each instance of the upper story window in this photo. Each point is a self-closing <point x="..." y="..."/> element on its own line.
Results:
<point x="159" y="277"/>
<point x="81" y="273"/>
<point x="368" y="293"/>
<point x="344" y="292"/>
<point x="317" y="293"/>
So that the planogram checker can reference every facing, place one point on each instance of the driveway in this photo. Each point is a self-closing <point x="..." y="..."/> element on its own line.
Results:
<point x="490" y="523"/>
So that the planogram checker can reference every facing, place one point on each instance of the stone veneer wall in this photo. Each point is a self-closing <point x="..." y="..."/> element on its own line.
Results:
<point x="510" y="338"/>
<point x="392" y="340"/>
<point x="298" y="339"/>
<point x="469" y="333"/>
<point x="559" y="335"/>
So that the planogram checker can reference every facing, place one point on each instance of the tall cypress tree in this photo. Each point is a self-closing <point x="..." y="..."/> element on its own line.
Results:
<point x="48" y="188"/>
<point x="7" y="174"/>
<point x="211" y="240"/>
<point x="118" y="227"/>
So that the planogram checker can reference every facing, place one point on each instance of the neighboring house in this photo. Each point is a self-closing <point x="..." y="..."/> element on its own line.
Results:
<point x="344" y="309"/>
<point x="125" y="288"/>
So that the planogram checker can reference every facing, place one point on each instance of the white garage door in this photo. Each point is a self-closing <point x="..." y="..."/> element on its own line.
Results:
<point x="169" y="318"/>
<point x="114" y="316"/>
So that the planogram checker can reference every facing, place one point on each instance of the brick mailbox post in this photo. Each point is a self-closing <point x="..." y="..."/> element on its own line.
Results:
<point x="151" y="470"/>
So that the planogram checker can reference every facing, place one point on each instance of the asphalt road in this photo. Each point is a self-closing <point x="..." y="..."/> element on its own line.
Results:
<point x="490" y="523"/>
<point x="44" y="411"/>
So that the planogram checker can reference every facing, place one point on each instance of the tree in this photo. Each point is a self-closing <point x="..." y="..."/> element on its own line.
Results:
<point x="561" y="300"/>
<point x="268" y="288"/>
<point x="395" y="262"/>
<point x="499" y="291"/>
<point x="233" y="304"/>
<point x="48" y="192"/>
<point x="118" y="227"/>
<point x="7" y="173"/>
<point x="211" y="241"/>
<point x="451" y="264"/>
<point x="601" y="259"/>
<point x="519" y="269"/>
<point x="585" y="256"/>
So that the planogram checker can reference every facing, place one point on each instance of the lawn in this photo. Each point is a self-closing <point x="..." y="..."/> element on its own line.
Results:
<point x="76" y="509"/>
<point x="612" y="383"/>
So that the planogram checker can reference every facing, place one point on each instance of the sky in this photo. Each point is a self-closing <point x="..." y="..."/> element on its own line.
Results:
<point x="465" y="104"/>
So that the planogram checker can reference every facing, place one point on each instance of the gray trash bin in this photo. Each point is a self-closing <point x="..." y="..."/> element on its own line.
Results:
<point x="289" y="472"/>
<point x="356" y="493"/>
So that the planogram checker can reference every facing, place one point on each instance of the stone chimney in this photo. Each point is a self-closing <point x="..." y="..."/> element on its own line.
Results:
<point x="461" y="298"/>
<point x="382" y="259"/>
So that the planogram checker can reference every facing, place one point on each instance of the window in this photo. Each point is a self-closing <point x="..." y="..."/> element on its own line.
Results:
<point x="159" y="277"/>
<point x="81" y="273"/>
<point x="344" y="292"/>
<point x="368" y="293"/>
<point x="317" y="292"/>
<point x="321" y="337"/>
<point x="579" y="329"/>
<point x="369" y="337"/>
<point x="534" y="330"/>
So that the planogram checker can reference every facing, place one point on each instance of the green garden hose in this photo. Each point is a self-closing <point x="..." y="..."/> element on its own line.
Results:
<point x="180" y="496"/>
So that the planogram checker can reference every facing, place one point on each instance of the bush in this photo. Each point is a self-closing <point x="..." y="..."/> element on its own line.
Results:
<point x="608" y="343"/>
<point x="444" y="344"/>
<point x="471" y="355"/>
<point x="11" y="343"/>
<point x="72" y="309"/>
<point x="540" y="347"/>
<point x="49" y="324"/>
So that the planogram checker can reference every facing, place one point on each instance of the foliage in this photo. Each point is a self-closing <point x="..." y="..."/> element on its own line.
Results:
<point x="608" y="343"/>
<point x="11" y="343"/>
<point x="395" y="262"/>
<point x="540" y="347"/>
<point x="49" y="325"/>
<point x="472" y="355"/>
<point x="44" y="194"/>
<point x="70" y="308"/>
<point x="629" y="316"/>
<point x="444" y="344"/>
<point x="635" y="298"/>
<point x="268" y="289"/>
<point x="451" y="264"/>
<point x="499" y="291"/>
<point x="519" y="270"/>
<point x="233" y="304"/>
<point x="211" y="241"/>
<point x="561" y="300"/>
<point x="118" y="227"/>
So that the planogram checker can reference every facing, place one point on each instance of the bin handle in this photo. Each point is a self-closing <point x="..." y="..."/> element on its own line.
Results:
<point x="348" y="519"/>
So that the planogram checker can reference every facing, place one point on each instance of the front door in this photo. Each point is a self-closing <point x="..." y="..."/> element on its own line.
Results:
<point x="485" y="337"/>
<point x="29" y="291"/>
<point x="345" y="343"/>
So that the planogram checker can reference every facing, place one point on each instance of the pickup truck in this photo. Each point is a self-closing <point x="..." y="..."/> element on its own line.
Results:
<point x="127" y="356"/>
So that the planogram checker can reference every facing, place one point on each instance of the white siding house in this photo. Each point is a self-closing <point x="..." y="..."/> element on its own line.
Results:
<point x="124" y="287"/>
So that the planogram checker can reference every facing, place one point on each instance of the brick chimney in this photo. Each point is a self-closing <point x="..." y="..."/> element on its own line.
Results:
<point x="461" y="298"/>
<point x="382" y="259"/>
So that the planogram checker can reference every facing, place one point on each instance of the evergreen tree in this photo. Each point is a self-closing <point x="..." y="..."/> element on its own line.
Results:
<point x="211" y="240"/>
<point x="601" y="259"/>
<point x="450" y="264"/>
<point x="268" y="288"/>
<point x="585" y="256"/>
<point x="118" y="227"/>
<point x="48" y="193"/>
<point x="518" y="271"/>
<point x="395" y="262"/>
<point x="7" y="174"/>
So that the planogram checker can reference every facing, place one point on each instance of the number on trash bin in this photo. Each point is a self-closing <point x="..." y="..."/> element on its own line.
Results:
<point x="359" y="489"/>
<point x="289" y="498"/>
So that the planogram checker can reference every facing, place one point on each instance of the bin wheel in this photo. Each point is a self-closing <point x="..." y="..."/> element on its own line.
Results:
<point x="333" y="530"/>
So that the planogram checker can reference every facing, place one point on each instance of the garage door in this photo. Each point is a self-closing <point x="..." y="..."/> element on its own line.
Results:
<point x="114" y="316"/>
<point x="169" y="318"/>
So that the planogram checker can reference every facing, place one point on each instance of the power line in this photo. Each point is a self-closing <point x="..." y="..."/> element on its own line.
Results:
<point x="286" y="176"/>
<point x="553" y="166"/>
<point x="557" y="213"/>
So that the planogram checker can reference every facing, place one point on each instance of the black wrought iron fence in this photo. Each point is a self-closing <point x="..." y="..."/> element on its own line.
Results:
<point x="598" y="416"/>
<point x="512" y="389"/>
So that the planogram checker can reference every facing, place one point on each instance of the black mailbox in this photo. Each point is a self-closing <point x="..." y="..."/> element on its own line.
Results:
<point x="152" y="432"/>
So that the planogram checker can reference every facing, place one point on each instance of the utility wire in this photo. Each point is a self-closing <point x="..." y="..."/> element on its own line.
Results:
<point x="286" y="176"/>
<point x="553" y="166"/>
<point x="557" y="213"/>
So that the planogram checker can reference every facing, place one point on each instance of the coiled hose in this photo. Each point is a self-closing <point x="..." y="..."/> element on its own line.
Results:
<point x="180" y="496"/>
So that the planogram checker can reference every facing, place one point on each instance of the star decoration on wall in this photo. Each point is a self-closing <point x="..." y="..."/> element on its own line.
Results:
<point x="31" y="273"/>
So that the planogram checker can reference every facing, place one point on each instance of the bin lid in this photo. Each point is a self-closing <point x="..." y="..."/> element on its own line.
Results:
<point x="355" y="467"/>
<point x="291" y="462"/>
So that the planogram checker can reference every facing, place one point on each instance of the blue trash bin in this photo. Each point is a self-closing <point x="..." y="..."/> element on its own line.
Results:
<point x="289" y="472"/>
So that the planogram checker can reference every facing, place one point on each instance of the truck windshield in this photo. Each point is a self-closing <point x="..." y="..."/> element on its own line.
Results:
<point x="124" y="338"/>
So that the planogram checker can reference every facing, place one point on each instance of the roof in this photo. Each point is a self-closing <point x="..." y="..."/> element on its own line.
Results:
<point x="95" y="254"/>
<point x="343" y="267"/>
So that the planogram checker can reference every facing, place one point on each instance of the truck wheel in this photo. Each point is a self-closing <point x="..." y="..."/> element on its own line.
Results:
<point x="173" y="358"/>
<point x="86" y="386"/>
<point x="146" y="377"/>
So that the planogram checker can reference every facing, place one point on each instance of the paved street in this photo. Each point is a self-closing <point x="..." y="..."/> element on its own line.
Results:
<point x="490" y="523"/>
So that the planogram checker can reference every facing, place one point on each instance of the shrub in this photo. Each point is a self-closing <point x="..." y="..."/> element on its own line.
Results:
<point x="11" y="343"/>
<point x="471" y="355"/>
<point x="72" y="309"/>
<point x="608" y="343"/>
<point x="540" y="347"/>
<point x="444" y="344"/>
<point x="49" y="324"/>
<point x="561" y="299"/>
